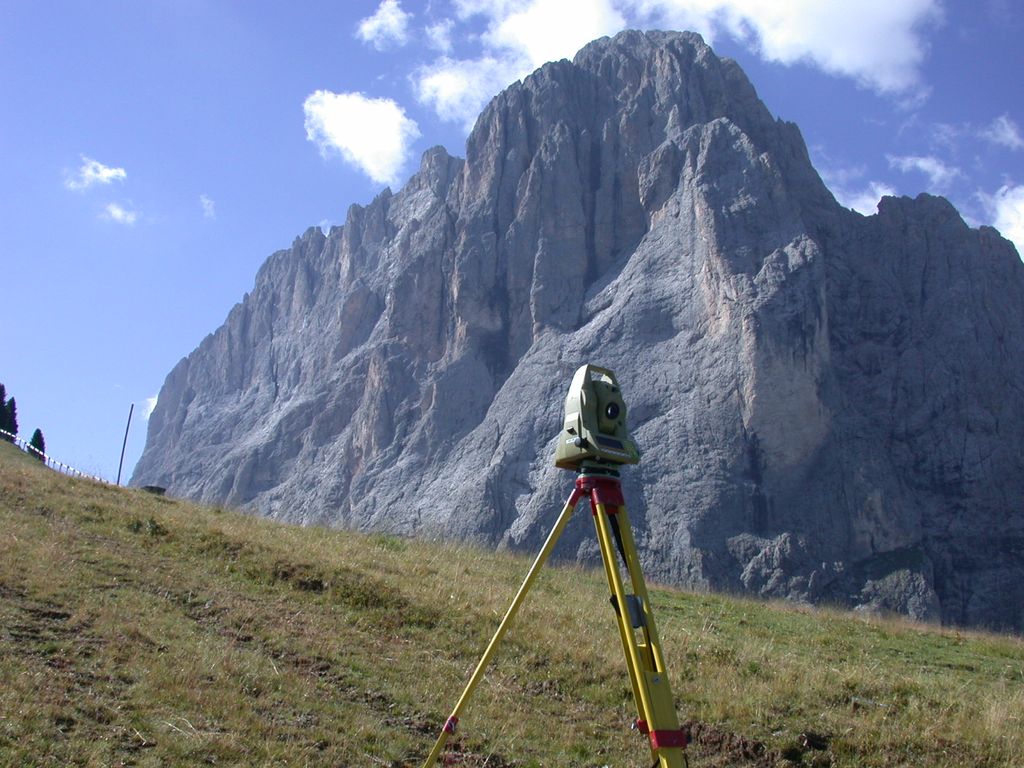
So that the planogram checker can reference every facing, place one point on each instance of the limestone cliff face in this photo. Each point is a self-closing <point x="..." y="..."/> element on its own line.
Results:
<point x="829" y="405"/>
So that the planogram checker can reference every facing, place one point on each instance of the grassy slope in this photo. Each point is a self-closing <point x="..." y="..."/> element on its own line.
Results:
<point x="143" y="631"/>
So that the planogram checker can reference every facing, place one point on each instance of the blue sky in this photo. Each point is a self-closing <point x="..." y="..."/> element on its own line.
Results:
<point x="155" y="153"/>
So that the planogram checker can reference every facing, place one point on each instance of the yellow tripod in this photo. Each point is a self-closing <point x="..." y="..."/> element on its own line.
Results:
<point x="655" y="708"/>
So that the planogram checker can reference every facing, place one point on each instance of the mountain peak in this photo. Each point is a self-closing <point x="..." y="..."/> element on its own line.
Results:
<point x="820" y="397"/>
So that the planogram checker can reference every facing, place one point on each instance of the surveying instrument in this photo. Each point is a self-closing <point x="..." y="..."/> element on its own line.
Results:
<point x="593" y="443"/>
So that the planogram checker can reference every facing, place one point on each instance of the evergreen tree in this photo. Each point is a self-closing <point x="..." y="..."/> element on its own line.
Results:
<point x="39" y="444"/>
<point x="12" y="416"/>
<point x="3" y="409"/>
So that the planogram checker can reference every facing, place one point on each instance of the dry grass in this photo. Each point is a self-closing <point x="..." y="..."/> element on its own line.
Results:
<point x="143" y="631"/>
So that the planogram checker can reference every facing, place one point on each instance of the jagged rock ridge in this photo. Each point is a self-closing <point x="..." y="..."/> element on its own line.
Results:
<point x="829" y="405"/>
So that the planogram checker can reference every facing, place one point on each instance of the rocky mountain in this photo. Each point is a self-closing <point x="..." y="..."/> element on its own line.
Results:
<point x="829" y="405"/>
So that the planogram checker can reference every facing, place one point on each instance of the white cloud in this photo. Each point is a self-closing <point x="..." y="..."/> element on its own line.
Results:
<point x="1004" y="132"/>
<point x="832" y="175"/>
<point x="547" y="30"/>
<point x="388" y="26"/>
<point x="876" y="42"/>
<point x="209" y="207"/>
<point x="519" y="38"/>
<point x="150" y="405"/>
<point x="467" y="8"/>
<point x="120" y="214"/>
<point x="94" y="172"/>
<point x="1006" y="207"/>
<point x="865" y="200"/>
<point x="458" y="89"/>
<point x="939" y="174"/>
<point x="852" y="191"/>
<point x="701" y="16"/>
<point x="439" y="36"/>
<point x="947" y="136"/>
<point x="374" y="135"/>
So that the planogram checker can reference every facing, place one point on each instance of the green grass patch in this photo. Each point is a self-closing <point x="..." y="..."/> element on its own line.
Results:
<point x="138" y="630"/>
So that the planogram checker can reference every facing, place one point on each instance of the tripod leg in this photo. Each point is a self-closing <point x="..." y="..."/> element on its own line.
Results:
<point x="611" y="572"/>
<point x="513" y="609"/>
<point x="655" y="705"/>
<point x="626" y="631"/>
<point x="653" y="641"/>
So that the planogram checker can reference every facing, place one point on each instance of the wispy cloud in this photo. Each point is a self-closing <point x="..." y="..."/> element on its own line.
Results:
<point x="439" y="35"/>
<point x="1004" y="132"/>
<point x="1006" y="209"/>
<point x="150" y="405"/>
<point x="852" y="190"/>
<point x="866" y="199"/>
<point x="209" y="207"/>
<point x="118" y="213"/>
<point x="878" y="43"/>
<point x="93" y="172"/>
<point x="947" y="136"/>
<point x="940" y="175"/>
<point x="387" y="27"/>
<point x="374" y="135"/>
<point x="519" y="36"/>
<point x="547" y="30"/>
<point x="456" y="90"/>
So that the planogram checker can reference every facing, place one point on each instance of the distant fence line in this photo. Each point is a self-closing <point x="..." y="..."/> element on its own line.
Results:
<point x="49" y="461"/>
